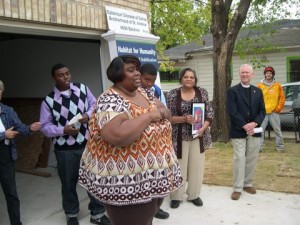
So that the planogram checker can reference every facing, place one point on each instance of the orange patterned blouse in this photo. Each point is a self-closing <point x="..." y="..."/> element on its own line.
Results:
<point x="137" y="173"/>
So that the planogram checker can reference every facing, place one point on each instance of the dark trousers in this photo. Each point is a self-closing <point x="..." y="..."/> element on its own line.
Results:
<point x="140" y="214"/>
<point x="8" y="183"/>
<point x="68" y="170"/>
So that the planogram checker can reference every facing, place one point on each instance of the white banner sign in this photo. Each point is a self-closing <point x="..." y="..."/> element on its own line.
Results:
<point x="126" y="21"/>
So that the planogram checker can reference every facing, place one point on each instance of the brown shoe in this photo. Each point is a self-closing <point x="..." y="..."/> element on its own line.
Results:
<point x="250" y="190"/>
<point x="235" y="195"/>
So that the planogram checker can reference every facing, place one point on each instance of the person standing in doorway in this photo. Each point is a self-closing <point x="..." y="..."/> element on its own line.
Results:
<point x="245" y="106"/>
<point x="10" y="127"/>
<point x="66" y="101"/>
<point x="148" y="77"/>
<point x="274" y="102"/>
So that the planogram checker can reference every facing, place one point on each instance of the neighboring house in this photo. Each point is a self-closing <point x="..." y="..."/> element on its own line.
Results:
<point x="198" y="55"/>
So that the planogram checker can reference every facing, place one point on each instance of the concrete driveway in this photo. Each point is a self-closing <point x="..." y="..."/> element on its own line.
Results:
<point x="41" y="205"/>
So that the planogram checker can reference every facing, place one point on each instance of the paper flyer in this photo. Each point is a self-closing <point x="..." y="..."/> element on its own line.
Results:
<point x="74" y="121"/>
<point x="258" y="130"/>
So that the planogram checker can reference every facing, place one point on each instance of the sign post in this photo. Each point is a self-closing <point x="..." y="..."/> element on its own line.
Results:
<point x="128" y="34"/>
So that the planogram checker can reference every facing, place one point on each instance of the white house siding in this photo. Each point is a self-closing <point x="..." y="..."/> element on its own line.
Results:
<point x="181" y="65"/>
<point x="204" y="70"/>
<point x="203" y="65"/>
<point x="278" y="60"/>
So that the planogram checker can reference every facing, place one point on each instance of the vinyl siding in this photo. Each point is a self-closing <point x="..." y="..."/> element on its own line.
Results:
<point x="203" y="65"/>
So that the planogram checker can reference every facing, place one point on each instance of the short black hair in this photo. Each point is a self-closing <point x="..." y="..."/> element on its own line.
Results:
<point x="148" y="68"/>
<point x="115" y="70"/>
<point x="57" y="66"/>
<point x="184" y="71"/>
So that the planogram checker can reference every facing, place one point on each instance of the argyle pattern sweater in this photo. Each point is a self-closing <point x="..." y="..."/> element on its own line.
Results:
<point x="63" y="110"/>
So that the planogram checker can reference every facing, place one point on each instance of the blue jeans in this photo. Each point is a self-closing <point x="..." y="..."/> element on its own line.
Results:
<point x="274" y="121"/>
<point x="8" y="183"/>
<point x="68" y="169"/>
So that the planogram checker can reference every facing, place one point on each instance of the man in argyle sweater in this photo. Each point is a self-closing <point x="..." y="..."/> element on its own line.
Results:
<point x="59" y="107"/>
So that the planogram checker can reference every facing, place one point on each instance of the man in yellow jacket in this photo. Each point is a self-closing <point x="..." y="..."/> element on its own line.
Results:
<point x="274" y="101"/>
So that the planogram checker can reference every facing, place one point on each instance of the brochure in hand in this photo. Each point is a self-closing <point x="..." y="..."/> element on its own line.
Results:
<point x="74" y="121"/>
<point x="198" y="110"/>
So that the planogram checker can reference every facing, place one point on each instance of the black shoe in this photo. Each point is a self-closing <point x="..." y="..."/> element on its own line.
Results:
<point x="175" y="204"/>
<point x="161" y="214"/>
<point x="197" y="201"/>
<point x="72" y="221"/>
<point x="104" y="220"/>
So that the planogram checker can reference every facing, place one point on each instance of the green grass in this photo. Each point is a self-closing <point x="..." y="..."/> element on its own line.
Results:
<point x="274" y="172"/>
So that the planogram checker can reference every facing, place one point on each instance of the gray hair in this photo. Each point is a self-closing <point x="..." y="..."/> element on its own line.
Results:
<point x="247" y="65"/>
<point x="1" y="86"/>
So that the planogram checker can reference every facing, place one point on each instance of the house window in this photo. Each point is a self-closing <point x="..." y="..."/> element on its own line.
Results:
<point x="293" y="69"/>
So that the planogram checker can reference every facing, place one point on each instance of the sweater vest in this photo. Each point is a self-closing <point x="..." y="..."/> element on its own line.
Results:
<point x="63" y="110"/>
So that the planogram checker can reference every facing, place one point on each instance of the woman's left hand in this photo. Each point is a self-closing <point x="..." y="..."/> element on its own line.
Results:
<point x="165" y="113"/>
<point x="201" y="131"/>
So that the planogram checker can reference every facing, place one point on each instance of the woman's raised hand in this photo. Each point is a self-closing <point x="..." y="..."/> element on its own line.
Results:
<point x="155" y="115"/>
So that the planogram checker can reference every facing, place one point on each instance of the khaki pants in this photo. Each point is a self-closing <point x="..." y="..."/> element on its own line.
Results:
<point x="245" y="156"/>
<point x="192" y="170"/>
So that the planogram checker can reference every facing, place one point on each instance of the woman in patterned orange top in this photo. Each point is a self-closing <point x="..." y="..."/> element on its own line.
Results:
<point x="129" y="162"/>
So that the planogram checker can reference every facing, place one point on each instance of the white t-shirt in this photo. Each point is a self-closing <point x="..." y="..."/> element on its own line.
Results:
<point x="2" y="128"/>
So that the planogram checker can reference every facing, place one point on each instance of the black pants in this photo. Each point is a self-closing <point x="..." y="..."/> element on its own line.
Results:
<point x="140" y="214"/>
<point x="68" y="170"/>
<point x="8" y="183"/>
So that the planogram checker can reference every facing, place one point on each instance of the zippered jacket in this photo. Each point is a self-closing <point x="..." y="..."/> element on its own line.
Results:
<point x="273" y="96"/>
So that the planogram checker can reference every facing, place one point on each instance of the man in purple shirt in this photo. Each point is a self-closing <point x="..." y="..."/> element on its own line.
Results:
<point x="66" y="101"/>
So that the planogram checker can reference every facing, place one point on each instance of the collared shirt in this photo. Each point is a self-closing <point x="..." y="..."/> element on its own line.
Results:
<point x="49" y="125"/>
<point x="162" y="97"/>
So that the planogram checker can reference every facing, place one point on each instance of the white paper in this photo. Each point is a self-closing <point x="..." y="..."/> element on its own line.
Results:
<point x="258" y="130"/>
<point x="195" y="135"/>
<point x="74" y="121"/>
